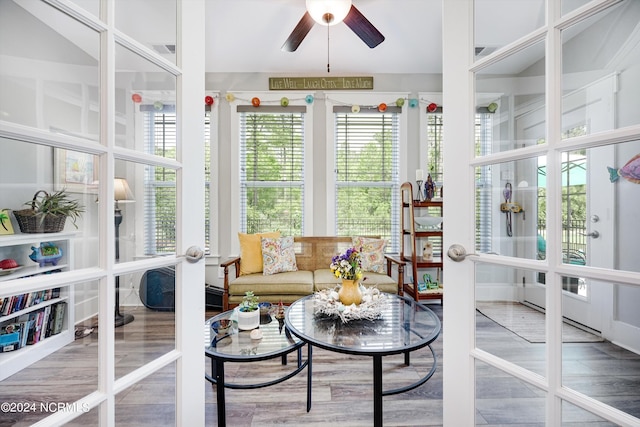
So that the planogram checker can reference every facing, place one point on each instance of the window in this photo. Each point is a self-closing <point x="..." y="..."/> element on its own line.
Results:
<point x="366" y="173"/>
<point x="271" y="169"/>
<point x="160" y="183"/>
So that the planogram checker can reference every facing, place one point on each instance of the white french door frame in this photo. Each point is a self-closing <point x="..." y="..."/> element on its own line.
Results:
<point x="188" y="355"/>
<point x="460" y="354"/>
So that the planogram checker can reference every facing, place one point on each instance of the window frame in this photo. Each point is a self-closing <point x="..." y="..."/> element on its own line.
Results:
<point x="267" y="99"/>
<point x="253" y="120"/>
<point x="363" y="100"/>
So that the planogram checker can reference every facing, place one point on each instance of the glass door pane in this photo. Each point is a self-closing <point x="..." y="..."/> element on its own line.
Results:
<point x="50" y="72"/>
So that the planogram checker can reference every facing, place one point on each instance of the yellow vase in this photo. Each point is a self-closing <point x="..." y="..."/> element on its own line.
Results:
<point x="349" y="292"/>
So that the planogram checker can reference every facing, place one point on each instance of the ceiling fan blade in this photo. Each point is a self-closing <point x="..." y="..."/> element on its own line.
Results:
<point x="299" y="33"/>
<point x="363" y="28"/>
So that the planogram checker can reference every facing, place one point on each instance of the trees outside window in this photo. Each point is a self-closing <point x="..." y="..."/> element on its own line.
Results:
<point x="271" y="172"/>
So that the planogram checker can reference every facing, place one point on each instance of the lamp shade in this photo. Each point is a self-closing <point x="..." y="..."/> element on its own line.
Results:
<point x="338" y="9"/>
<point x="121" y="190"/>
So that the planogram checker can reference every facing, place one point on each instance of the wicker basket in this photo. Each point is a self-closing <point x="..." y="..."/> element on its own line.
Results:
<point x="31" y="222"/>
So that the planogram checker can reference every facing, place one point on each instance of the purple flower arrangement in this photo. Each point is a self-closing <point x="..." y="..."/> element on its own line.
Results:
<point x="347" y="265"/>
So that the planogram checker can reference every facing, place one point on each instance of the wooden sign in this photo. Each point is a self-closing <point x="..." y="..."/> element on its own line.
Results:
<point x="320" y="83"/>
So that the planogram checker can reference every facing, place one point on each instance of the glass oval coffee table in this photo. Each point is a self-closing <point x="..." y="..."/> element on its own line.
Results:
<point x="403" y="327"/>
<point x="228" y="344"/>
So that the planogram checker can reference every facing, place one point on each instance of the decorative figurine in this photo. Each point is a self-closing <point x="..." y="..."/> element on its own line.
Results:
<point x="280" y="316"/>
<point x="429" y="188"/>
<point x="427" y="251"/>
<point x="47" y="253"/>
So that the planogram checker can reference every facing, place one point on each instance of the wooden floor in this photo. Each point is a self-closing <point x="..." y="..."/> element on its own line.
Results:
<point x="342" y="384"/>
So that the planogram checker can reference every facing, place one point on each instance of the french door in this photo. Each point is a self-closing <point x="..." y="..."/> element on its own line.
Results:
<point x="75" y="110"/>
<point x="548" y="65"/>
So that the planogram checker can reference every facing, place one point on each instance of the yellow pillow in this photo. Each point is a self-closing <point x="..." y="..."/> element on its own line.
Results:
<point x="251" y="251"/>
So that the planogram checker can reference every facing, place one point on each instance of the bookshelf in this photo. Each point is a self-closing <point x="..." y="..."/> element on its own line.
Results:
<point x="22" y="301"/>
<point x="412" y="239"/>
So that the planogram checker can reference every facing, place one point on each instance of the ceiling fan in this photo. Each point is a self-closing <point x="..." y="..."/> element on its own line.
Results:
<point x="331" y="12"/>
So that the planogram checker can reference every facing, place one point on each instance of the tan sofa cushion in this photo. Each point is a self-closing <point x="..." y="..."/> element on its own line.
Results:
<point x="325" y="279"/>
<point x="288" y="283"/>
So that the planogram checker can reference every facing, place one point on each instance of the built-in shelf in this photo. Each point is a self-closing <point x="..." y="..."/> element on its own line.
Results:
<point x="19" y="247"/>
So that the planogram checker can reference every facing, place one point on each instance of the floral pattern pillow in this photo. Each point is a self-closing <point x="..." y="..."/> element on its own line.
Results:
<point x="278" y="255"/>
<point x="372" y="251"/>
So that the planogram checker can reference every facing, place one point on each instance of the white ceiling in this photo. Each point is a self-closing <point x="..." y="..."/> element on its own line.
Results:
<point x="246" y="36"/>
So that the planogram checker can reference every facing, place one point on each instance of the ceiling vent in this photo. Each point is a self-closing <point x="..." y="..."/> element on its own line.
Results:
<point x="165" y="49"/>
<point x="484" y="50"/>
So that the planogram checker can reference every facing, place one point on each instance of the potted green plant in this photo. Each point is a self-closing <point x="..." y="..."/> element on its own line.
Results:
<point x="48" y="212"/>
<point x="248" y="312"/>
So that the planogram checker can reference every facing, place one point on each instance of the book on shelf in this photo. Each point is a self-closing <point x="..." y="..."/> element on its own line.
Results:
<point x="38" y="330"/>
<point x="33" y="317"/>
<point x="26" y="324"/>
<point x="10" y="335"/>
<point x="46" y="323"/>
<point x="58" y="321"/>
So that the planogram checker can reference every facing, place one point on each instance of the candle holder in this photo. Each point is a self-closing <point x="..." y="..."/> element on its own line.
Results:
<point x="419" y="197"/>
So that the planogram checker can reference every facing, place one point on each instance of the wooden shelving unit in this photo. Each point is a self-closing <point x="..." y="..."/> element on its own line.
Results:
<point x="412" y="238"/>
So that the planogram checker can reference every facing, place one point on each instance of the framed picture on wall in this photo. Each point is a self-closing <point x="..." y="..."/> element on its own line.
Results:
<point x="75" y="171"/>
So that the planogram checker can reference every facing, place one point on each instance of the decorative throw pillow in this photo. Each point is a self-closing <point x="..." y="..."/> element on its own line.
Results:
<point x="372" y="251"/>
<point x="251" y="251"/>
<point x="278" y="255"/>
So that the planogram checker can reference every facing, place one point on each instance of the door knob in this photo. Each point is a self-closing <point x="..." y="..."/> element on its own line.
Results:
<point x="457" y="252"/>
<point x="593" y="234"/>
<point x="193" y="254"/>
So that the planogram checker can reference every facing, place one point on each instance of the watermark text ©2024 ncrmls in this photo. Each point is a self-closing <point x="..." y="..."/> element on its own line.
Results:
<point x="46" y="407"/>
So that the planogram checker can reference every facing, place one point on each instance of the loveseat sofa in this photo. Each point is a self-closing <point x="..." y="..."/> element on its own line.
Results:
<point x="312" y="273"/>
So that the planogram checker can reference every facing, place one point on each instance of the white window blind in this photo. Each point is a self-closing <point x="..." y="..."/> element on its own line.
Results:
<point x="160" y="182"/>
<point x="484" y="179"/>
<point x="271" y="169"/>
<point x="366" y="173"/>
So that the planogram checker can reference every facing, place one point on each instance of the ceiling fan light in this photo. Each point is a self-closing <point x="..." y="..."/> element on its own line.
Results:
<point x="338" y="9"/>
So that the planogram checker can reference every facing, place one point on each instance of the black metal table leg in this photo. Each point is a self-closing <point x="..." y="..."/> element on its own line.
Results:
<point x="309" y="363"/>
<point x="222" y="410"/>
<point x="377" y="391"/>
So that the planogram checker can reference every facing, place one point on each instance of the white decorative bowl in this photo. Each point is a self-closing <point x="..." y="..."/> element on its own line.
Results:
<point x="428" y="221"/>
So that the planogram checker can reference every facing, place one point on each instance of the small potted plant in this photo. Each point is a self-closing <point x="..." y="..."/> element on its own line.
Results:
<point x="248" y="312"/>
<point x="48" y="212"/>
